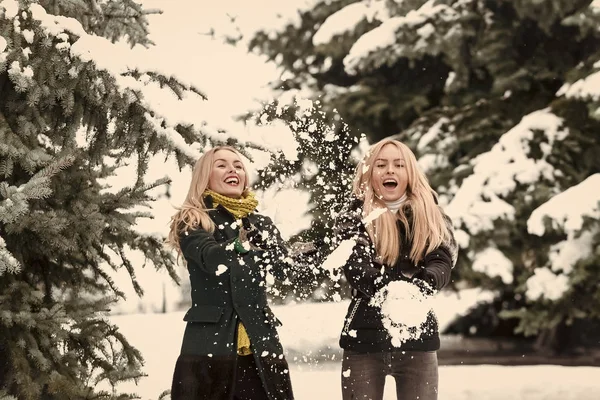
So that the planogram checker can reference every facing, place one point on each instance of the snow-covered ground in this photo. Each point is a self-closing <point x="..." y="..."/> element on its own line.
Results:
<point x="310" y="329"/>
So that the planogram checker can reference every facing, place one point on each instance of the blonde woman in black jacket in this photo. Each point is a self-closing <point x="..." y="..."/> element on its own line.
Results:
<point x="230" y="349"/>
<point x="410" y="240"/>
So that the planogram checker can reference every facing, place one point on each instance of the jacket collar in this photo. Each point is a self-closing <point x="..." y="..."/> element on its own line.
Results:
<point x="209" y="203"/>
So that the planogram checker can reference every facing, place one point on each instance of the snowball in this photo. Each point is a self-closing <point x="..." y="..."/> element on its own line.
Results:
<point x="404" y="309"/>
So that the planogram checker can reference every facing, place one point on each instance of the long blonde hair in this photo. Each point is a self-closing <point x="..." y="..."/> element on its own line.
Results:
<point x="193" y="212"/>
<point x="427" y="230"/>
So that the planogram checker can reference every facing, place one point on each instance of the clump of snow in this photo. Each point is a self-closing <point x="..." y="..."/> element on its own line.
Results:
<point x="287" y="207"/>
<point x="462" y="238"/>
<point x="338" y="257"/>
<point x="478" y="202"/>
<point x="438" y="158"/>
<point x="404" y="309"/>
<point x="309" y="168"/>
<point x="584" y="88"/>
<point x="493" y="262"/>
<point x="381" y="37"/>
<point x="346" y="19"/>
<point x="359" y="152"/>
<point x="582" y="200"/>
<point x="564" y="255"/>
<point x="429" y="162"/>
<point x="546" y="284"/>
<point x="7" y="262"/>
<point x="432" y="133"/>
<point x="384" y="36"/>
<point x="10" y="7"/>
<point x="373" y="215"/>
<point x="220" y="269"/>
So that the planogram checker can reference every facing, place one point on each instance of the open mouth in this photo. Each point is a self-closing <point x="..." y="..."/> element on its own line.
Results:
<point x="390" y="183"/>
<point x="232" y="180"/>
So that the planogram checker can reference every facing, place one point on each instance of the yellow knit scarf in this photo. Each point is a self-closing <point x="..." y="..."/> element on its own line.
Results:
<point x="240" y="208"/>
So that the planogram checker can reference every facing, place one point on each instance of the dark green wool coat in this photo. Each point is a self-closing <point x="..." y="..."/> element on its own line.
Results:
<point x="227" y="288"/>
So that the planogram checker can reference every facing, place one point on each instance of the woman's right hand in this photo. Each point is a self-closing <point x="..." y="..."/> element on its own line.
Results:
<point x="250" y="234"/>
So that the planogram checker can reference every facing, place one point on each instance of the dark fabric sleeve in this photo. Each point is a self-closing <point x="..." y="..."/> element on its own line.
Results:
<point x="437" y="267"/>
<point x="348" y="224"/>
<point x="362" y="273"/>
<point x="200" y="246"/>
<point x="438" y="264"/>
<point x="360" y="269"/>
<point x="276" y="254"/>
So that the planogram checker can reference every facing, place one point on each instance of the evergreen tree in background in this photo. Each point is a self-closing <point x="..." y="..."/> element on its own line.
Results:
<point x="500" y="101"/>
<point x="67" y="122"/>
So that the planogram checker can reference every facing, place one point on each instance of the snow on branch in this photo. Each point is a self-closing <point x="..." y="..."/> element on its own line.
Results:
<point x="385" y="36"/>
<point x="478" y="202"/>
<point x="568" y="209"/>
<point x="133" y="70"/>
<point x="7" y="262"/>
<point x="346" y="19"/>
<point x="545" y="284"/>
<point x="585" y="88"/>
<point x="493" y="262"/>
<point x="281" y="14"/>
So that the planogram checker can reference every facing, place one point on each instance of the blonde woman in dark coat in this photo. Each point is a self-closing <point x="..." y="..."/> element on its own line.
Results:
<point x="230" y="349"/>
<point x="411" y="241"/>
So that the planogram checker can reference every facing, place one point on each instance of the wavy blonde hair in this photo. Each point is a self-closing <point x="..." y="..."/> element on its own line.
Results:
<point x="193" y="212"/>
<point x="427" y="230"/>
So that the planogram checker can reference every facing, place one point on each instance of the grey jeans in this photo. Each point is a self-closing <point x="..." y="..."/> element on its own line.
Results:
<point x="415" y="372"/>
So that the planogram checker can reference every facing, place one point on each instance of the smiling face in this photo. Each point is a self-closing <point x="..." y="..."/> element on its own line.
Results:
<point x="389" y="175"/>
<point x="227" y="176"/>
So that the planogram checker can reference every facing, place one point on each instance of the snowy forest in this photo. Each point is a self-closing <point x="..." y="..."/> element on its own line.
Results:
<point x="105" y="106"/>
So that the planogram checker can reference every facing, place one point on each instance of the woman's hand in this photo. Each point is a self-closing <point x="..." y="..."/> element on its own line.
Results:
<point x="247" y="238"/>
<point x="250" y="234"/>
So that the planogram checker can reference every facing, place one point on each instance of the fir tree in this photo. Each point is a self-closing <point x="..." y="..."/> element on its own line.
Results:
<point x="67" y="122"/>
<point x="470" y="83"/>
